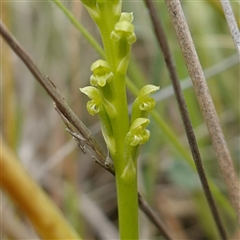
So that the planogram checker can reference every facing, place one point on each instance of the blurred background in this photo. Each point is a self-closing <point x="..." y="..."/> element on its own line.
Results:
<point x="83" y="190"/>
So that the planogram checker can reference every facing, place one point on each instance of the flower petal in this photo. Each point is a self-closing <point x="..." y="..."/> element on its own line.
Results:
<point x="126" y="17"/>
<point x="147" y="90"/>
<point x="93" y="106"/>
<point x="148" y="104"/>
<point x="124" y="29"/>
<point x="91" y="92"/>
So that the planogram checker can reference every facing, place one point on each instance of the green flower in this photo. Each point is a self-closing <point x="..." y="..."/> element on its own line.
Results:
<point x="144" y="103"/>
<point x="124" y="29"/>
<point x="101" y="73"/>
<point x="138" y="134"/>
<point x="147" y="103"/>
<point x="93" y="106"/>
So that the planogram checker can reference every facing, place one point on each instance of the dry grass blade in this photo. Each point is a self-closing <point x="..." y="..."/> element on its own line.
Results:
<point x="205" y="101"/>
<point x="68" y="114"/>
<point x="162" y="40"/>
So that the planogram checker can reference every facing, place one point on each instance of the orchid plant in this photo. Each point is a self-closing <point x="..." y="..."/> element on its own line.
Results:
<point x="107" y="93"/>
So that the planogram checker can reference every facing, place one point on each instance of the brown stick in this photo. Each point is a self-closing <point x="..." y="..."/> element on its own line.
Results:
<point x="70" y="116"/>
<point x="163" y="43"/>
<point x="205" y="101"/>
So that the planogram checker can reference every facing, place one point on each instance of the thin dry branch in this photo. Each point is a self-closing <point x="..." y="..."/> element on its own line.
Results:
<point x="205" y="101"/>
<point x="163" y="43"/>
<point x="70" y="116"/>
<point x="232" y="24"/>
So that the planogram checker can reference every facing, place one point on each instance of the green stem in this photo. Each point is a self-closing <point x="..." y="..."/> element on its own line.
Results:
<point x="127" y="204"/>
<point x="127" y="193"/>
<point x="106" y="26"/>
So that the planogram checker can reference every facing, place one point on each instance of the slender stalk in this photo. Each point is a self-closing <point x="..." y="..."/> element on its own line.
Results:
<point x="127" y="193"/>
<point x="127" y="209"/>
<point x="205" y="101"/>
<point x="163" y="43"/>
<point x="232" y="24"/>
<point x="127" y="196"/>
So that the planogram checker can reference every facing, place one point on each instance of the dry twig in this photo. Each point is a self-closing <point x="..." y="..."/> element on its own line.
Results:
<point x="205" y="101"/>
